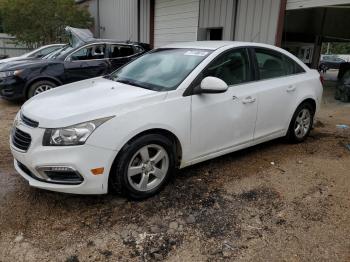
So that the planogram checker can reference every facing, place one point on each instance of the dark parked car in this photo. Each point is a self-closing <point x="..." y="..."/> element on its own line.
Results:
<point x="330" y="62"/>
<point x="342" y="91"/>
<point x="37" y="53"/>
<point x="96" y="57"/>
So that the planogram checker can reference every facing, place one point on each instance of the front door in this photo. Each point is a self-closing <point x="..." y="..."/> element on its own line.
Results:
<point x="224" y="121"/>
<point x="87" y="62"/>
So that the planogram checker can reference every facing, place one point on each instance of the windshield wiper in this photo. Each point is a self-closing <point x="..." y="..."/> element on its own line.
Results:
<point x="132" y="83"/>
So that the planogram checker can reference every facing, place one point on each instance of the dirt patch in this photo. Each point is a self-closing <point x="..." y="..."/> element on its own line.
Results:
<point x="275" y="201"/>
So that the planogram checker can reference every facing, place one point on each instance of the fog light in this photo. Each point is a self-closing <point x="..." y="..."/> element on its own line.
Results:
<point x="60" y="174"/>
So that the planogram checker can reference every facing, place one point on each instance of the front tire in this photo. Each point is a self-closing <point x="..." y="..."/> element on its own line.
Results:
<point x="143" y="167"/>
<point x="301" y="123"/>
<point x="39" y="87"/>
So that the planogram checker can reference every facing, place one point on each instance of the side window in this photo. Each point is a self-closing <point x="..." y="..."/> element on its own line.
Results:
<point x="45" y="51"/>
<point x="273" y="64"/>
<point x="232" y="67"/>
<point x="291" y="67"/>
<point x="270" y="64"/>
<point x="118" y="51"/>
<point x="138" y="49"/>
<point x="89" y="53"/>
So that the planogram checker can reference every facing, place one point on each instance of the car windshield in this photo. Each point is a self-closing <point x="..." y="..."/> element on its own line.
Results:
<point x="160" y="70"/>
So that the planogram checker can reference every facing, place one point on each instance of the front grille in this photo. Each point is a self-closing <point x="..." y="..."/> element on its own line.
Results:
<point x="20" y="139"/>
<point x="28" y="121"/>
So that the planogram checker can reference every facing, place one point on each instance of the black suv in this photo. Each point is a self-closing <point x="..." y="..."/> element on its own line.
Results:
<point x="342" y="91"/>
<point x="97" y="57"/>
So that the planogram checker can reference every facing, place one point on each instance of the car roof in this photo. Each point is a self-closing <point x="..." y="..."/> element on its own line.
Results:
<point x="96" y="41"/>
<point x="213" y="45"/>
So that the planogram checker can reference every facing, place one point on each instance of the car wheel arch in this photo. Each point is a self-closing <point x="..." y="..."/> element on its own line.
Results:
<point x="155" y="131"/>
<point x="309" y="100"/>
<point x="37" y="79"/>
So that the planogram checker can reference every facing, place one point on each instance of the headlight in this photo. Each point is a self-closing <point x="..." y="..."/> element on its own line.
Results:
<point x="9" y="73"/>
<point x="72" y="135"/>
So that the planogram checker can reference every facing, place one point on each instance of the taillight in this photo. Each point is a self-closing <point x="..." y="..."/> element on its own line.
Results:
<point x="322" y="79"/>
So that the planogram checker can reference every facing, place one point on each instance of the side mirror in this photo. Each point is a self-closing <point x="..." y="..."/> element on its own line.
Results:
<point x="211" y="85"/>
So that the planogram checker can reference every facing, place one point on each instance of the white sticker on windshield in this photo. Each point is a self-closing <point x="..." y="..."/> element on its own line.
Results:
<point x="196" y="53"/>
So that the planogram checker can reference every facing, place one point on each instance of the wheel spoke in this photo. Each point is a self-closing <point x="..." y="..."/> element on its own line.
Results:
<point x="39" y="90"/>
<point x="297" y="130"/>
<point x="303" y="114"/>
<point x="144" y="181"/>
<point x="158" y="173"/>
<point x="306" y="122"/>
<point x="159" y="156"/>
<point x="299" y="120"/>
<point x="135" y="170"/>
<point x="144" y="154"/>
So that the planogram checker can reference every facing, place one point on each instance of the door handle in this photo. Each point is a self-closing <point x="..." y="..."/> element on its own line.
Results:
<point x="291" y="89"/>
<point x="248" y="100"/>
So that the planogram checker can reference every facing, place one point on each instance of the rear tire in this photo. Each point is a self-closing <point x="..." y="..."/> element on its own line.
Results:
<point x="301" y="123"/>
<point x="337" y="94"/>
<point x="344" y="97"/>
<point x="39" y="87"/>
<point x="143" y="167"/>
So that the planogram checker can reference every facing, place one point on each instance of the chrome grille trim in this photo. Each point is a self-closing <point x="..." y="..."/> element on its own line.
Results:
<point x="28" y="121"/>
<point x="20" y="140"/>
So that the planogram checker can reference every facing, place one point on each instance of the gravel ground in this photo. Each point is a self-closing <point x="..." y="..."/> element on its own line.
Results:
<point x="272" y="202"/>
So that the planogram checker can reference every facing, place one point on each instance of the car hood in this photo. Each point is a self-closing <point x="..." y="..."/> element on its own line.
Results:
<point x="6" y="60"/>
<point x="22" y="64"/>
<point x="86" y="100"/>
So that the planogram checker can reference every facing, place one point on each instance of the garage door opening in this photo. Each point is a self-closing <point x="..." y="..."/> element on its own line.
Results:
<point x="306" y="31"/>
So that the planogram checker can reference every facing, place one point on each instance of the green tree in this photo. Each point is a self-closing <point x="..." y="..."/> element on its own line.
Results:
<point x="39" y="22"/>
<point x="336" y="48"/>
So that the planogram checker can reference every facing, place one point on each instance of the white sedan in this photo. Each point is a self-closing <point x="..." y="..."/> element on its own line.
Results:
<point x="171" y="108"/>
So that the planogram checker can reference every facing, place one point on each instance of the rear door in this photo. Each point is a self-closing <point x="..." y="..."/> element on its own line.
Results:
<point x="120" y="54"/>
<point x="87" y="62"/>
<point x="278" y="86"/>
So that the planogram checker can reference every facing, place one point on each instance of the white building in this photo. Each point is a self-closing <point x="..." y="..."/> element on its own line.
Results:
<point x="294" y="24"/>
<point x="9" y="48"/>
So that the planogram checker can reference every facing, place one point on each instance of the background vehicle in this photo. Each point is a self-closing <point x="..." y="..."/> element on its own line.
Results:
<point x="330" y="62"/>
<point x="37" y="53"/>
<point x="342" y="91"/>
<point x="3" y="56"/>
<point x="172" y="107"/>
<point x="24" y="79"/>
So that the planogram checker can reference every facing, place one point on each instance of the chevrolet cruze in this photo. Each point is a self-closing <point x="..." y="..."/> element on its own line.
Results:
<point x="171" y="108"/>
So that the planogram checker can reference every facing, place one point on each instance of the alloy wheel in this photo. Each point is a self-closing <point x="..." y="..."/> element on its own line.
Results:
<point x="42" y="88"/>
<point x="148" y="167"/>
<point x="302" y="123"/>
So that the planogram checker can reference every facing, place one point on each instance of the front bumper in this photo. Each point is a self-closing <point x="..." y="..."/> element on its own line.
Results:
<point x="12" y="88"/>
<point x="82" y="158"/>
